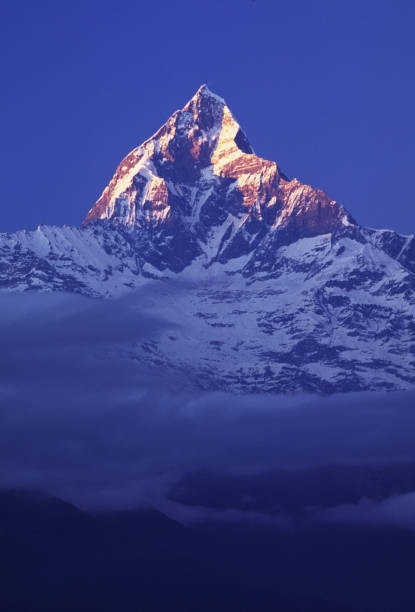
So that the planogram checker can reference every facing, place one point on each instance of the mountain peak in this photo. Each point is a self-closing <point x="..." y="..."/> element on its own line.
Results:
<point x="198" y="181"/>
<point x="205" y="92"/>
<point x="205" y="114"/>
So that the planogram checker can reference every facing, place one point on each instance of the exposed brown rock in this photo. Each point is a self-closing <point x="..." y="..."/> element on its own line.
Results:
<point x="201" y="155"/>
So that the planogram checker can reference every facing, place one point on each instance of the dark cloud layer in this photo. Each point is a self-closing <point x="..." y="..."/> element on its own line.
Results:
<point x="82" y="420"/>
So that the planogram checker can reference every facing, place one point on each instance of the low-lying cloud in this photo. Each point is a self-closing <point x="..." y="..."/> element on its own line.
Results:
<point x="82" y="420"/>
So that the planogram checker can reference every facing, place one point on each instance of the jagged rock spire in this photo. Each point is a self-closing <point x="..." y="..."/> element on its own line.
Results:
<point x="198" y="178"/>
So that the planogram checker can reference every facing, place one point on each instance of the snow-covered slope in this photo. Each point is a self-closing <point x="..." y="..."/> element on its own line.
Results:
<point x="279" y="288"/>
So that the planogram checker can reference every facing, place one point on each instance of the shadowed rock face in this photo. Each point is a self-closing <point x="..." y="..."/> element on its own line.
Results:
<point x="199" y="173"/>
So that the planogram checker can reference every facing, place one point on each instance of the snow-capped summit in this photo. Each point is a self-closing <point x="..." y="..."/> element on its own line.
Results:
<point x="199" y="177"/>
<point x="289" y="292"/>
<point x="177" y="153"/>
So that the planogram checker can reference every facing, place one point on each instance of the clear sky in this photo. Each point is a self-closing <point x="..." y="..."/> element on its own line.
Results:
<point x="325" y="88"/>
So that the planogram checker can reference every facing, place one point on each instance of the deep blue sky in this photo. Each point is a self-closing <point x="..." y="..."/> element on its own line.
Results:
<point x="325" y="88"/>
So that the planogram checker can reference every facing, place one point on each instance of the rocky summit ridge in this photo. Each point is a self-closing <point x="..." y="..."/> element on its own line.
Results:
<point x="288" y="292"/>
<point x="198" y="185"/>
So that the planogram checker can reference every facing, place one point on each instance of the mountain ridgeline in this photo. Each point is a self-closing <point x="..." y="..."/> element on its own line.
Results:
<point x="282" y="290"/>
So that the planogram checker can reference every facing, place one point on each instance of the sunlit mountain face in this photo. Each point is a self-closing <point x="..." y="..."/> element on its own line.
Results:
<point x="268" y="284"/>
<point x="199" y="175"/>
